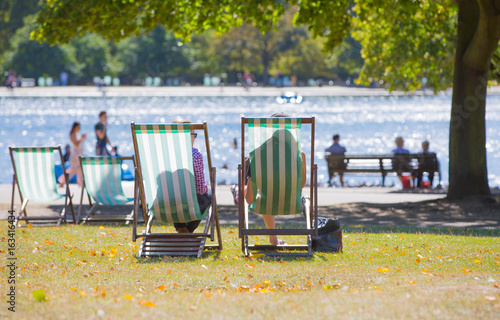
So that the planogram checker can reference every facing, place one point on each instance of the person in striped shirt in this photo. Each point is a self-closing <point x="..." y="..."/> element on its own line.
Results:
<point x="203" y="196"/>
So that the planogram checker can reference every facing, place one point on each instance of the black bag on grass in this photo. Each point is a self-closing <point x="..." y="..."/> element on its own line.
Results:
<point x="329" y="237"/>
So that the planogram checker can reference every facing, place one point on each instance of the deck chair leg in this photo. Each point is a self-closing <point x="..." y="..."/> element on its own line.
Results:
<point x="21" y="211"/>
<point x="245" y="246"/>
<point x="90" y="213"/>
<point x="145" y="232"/>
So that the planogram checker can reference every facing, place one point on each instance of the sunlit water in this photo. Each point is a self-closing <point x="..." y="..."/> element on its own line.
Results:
<point x="367" y="125"/>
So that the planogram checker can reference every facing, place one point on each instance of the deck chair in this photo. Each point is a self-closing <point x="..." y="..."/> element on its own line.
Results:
<point x="275" y="163"/>
<point x="34" y="175"/>
<point x="166" y="188"/>
<point x="102" y="178"/>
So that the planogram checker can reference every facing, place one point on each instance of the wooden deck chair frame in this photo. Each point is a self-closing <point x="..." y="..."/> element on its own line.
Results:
<point x="174" y="244"/>
<point x="309" y="206"/>
<point x="90" y="214"/>
<point x="22" y="214"/>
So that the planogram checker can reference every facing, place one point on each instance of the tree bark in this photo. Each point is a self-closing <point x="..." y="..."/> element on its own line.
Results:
<point x="477" y="28"/>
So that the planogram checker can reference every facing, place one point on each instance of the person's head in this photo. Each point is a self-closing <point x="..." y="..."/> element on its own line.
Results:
<point x="103" y="116"/>
<point x="336" y="138"/>
<point x="193" y="134"/>
<point x="399" y="142"/>
<point x="67" y="148"/>
<point x="75" y="127"/>
<point x="425" y="145"/>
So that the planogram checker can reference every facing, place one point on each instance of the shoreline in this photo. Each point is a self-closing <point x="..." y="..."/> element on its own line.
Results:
<point x="201" y="91"/>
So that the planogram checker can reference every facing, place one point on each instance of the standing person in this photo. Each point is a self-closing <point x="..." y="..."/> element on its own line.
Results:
<point x="101" y="134"/>
<point x="335" y="163"/>
<point x="74" y="156"/>
<point x="401" y="163"/>
<point x="203" y="196"/>
<point x="426" y="163"/>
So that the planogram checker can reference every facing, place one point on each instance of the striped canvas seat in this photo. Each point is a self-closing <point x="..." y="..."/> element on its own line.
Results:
<point x="166" y="187"/>
<point x="167" y="169"/>
<point x="275" y="165"/>
<point x="103" y="181"/>
<point x="34" y="173"/>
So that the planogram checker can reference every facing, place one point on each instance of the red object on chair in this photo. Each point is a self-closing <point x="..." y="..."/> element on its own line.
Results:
<point x="406" y="182"/>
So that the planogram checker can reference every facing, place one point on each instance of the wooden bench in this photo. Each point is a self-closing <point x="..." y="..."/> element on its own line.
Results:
<point x="384" y="164"/>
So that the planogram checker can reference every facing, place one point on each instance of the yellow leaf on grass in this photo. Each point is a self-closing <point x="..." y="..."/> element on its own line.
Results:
<point x="95" y="288"/>
<point x="309" y="283"/>
<point x="83" y="294"/>
<point x="73" y="288"/>
<point x="161" y="288"/>
<point x="101" y="227"/>
<point x="382" y="270"/>
<point x="266" y="283"/>
<point x="147" y="303"/>
<point x="466" y="270"/>
<point x="477" y="261"/>
<point x="92" y="253"/>
<point x="128" y="297"/>
<point x="425" y="271"/>
<point x="64" y="272"/>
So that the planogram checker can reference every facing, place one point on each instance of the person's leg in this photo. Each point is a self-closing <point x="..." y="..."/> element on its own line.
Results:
<point x="192" y="225"/>
<point x="181" y="227"/>
<point x="419" y="180"/>
<point x="400" y="177"/>
<point x="270" y="224"/>
<point x="341" y="178"/>
<point x="431" y="178"/>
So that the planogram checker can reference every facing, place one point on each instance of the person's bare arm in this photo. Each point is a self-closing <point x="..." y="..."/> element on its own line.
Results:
<point x="248" y="191"/>
<point x="100" y="133"/>
<point x="304" y="170"/>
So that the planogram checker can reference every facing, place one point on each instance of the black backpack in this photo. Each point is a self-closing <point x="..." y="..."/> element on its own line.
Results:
<point x="329" y="237"/>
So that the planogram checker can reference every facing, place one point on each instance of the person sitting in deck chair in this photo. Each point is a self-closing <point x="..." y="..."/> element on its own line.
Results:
<point x="269" y="219"/>
<point x="202" y="194"/>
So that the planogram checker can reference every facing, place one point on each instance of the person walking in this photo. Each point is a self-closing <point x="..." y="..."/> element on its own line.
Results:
<point x="101" y="134"/>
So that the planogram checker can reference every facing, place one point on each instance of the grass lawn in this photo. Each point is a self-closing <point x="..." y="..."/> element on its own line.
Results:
<point x="91" y="272"/>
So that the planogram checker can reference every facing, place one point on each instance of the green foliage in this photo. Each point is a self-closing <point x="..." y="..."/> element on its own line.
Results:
<point x="156" y="53"/>
<point x="404" y="41"/>
<point x="12" y="13"/>
<point x="34" y="59"/>
<point x="93" y="53"/>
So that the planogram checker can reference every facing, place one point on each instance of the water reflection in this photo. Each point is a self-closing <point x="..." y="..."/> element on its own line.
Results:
<point x="367" y="125"/>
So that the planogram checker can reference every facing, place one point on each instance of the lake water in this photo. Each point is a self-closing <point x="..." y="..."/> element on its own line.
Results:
<point x="367" y="125"/>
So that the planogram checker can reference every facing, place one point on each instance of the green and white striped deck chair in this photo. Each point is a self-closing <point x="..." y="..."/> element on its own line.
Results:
<point x="166" y="186"/>
<point x="275" y="164"/>
<point x="102" y="178"/>
<point x="34" y="174"/>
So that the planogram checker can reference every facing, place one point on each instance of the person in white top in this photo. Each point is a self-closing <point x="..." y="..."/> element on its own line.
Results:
<point x="74" y="156"/>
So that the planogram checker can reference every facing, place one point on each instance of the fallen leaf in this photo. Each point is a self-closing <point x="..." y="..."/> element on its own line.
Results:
<point x="193" y="308"/>
<point x="39" y="295"/>
<point x="128" y="297"/>
<point x="161" y="288"/>
<point x="147" y="303"/>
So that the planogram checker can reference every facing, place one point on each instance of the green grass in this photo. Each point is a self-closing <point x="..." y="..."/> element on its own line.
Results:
<point x="384" y="272"/>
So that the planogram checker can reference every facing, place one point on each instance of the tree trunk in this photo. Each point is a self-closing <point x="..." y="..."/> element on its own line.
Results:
<point x="467" y="168"/>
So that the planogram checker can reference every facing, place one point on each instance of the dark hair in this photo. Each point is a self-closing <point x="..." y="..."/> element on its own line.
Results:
<point x="73" y="127"/>
<point x="280" y="115"/>
<point x="336" y="136"/>
<point x="102" y="113"/>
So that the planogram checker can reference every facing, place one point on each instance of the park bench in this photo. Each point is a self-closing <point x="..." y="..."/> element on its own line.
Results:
<point x="384" y="164"/>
